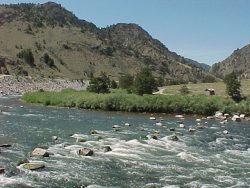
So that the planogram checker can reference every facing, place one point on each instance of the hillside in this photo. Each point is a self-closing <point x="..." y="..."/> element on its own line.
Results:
<point x="238" y="61"/>
<point x="46" y="40"/>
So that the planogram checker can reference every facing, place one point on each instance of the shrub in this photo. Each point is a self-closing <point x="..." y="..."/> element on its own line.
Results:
<point x="27" y="56"/>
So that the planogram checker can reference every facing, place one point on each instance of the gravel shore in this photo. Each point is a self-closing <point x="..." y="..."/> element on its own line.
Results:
<point x="16" y="85"/>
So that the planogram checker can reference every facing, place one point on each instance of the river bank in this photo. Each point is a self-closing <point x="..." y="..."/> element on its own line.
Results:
<point x="15" y="85"/>
<point x="121" y="101"/>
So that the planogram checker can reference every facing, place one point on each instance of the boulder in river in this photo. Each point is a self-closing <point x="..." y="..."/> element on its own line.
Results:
<point x="173" y="138"/>
<point x="2" y="170"/>
<point x="106" y="149"/>
<point x="33" y="165"/>
<point x="93" y="132"/>
<point x="22" y="162"/>
<point x="181" y="125"/>
<point x="191" y="130"/>
<point x="85" y="152"/>
<point x="172" y="129"/>
<point x="236" y="118"/>
<point x="39" y="152"/>
<point x="54" y="138"/>
<point x="5" y="145"/>
<point x="79" y="139"/>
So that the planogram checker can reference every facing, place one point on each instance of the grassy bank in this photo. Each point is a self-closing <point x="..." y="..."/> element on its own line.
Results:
<point x="199" y="88"/>
<point x="120" y="101"/>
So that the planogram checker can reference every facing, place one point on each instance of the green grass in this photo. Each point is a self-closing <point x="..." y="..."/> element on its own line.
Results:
<point x="199" y="89"/>
<point x="119" y="100"/>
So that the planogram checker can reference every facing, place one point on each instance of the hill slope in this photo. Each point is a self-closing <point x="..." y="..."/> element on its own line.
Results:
<point x="77" y="49"/>
<point x="238" y="61"/>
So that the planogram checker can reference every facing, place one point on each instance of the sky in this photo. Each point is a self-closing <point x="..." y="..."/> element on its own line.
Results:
<point x="207" y="31"/>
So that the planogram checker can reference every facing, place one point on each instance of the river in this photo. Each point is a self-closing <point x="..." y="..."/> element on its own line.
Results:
<point x="206" y="158"/>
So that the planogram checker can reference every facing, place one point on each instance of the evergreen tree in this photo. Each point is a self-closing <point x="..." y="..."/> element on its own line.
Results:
<point x="144" y="82"/>
<point x="233" y="86"/>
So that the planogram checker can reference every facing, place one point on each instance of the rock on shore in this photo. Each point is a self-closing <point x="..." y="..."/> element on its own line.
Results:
<point x="17" y="85"/>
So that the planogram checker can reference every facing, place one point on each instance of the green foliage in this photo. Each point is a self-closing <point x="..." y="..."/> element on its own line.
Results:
<point x="27" y="56"/>
<point x="121" y="101"/>
<point x="113" y="84"/>
<point x="144" y="82"/>
<point x="184" y="90"/>
<point x="233" y="86"/>
<point x="208" y="79"/>
<point x="126" y="82"/>
<point x="48" y="60"/>
<point x="100" y="84"/>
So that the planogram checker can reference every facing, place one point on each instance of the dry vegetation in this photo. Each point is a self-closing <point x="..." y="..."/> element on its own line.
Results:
<point x="199" y="89"/>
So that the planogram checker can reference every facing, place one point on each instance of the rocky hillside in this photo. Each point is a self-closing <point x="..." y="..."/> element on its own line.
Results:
<point x="239" y="62"/>
<point x="46" y="40"/>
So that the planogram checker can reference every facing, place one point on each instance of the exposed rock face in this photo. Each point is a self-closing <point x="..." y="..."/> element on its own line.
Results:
<point x="39" y="152"/>
<point x="238" y="61"/>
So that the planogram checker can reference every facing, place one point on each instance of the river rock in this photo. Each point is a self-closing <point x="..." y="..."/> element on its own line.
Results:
<point x="22" y="162"/>
<point x="158" y="124"/>
<point x="93" y="132"/>
<point x="80" y="139"/>
<point x="173" y="138"/>
<point x="172" y="129"/>
<point x="116" y="127"/>
<point x="106" y="149"/>
<point x="179" y="116"/>
<point x="191" y="130"/>
<point x="85" y="152"/>
<point x="2" y="170"/>
<point x="210" y="117"/>
<point x="127" y="124"/>
<point x="33" y="165"/>
<point x="225" y="132"/>
<point x="39" y="152"/>
<point x="5" y="146"/>
<point x="182" y="125"/>
<point x="236" y="118"/>
<point x="54" y="138"/>
<point x="152" y="118"/>
<point x="242" y="116"/>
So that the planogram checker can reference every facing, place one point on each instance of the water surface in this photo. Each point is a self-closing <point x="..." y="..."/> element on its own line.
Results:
<point x="205" y="158"/>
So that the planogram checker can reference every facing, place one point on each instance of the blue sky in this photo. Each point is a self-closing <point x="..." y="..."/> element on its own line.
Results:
<point x="204" y="30"/>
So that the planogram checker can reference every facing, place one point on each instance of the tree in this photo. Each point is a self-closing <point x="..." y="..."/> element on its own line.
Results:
<point x="100" y="84"/>
<point x="233" y="86"/>
<point x="27" y="56"/>
<point x="144" y="82"/>
<point x="126" y="82"/>
<point x="48" y="60"/>
<point x="113" y="84"/>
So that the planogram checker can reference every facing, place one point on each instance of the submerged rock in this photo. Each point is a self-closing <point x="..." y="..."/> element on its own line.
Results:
<point x="2" y="170"/>
<point x="173" y="138"/>
<point x="106" y="149"/>
<point x="5" y="146"/>
<point x="81" y="139"/>
<point x="22" y="162"/>
<point x="191" y="130"/>
<point x="178" y="134"/>
<point x="33" y="165"/>
<point x="39" y="152"/>
<point x="93" y="132"/>
<point x="172" y="129"/>
<point x="85" y="152"/>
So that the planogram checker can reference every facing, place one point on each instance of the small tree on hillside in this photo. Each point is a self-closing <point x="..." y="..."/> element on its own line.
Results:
<point x="233" y="86"/>
<point x="144" y="82"/>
